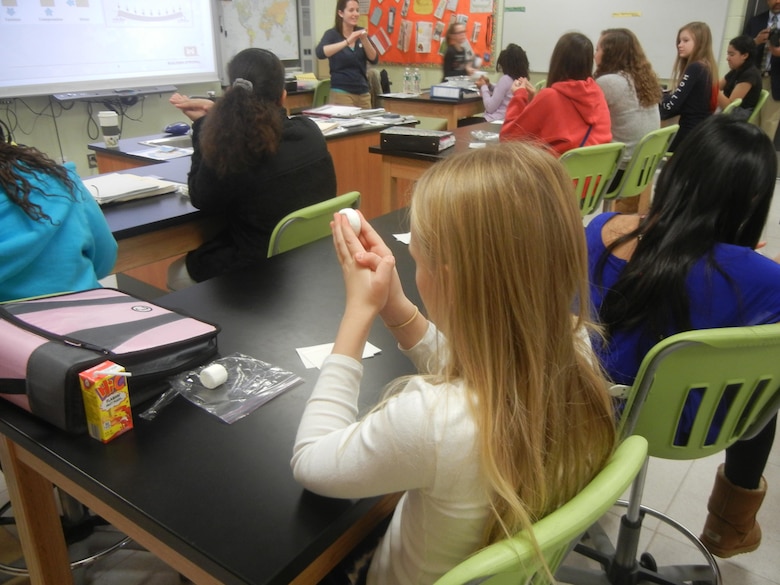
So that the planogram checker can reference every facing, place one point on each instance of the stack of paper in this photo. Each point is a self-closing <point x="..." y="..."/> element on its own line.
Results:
<point x="115" y="187"/>
<point x="332" y="110"/>
<point x="326" y="126"/>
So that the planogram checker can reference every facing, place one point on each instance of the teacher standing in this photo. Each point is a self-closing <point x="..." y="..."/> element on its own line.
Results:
<point x="347" y="48"/>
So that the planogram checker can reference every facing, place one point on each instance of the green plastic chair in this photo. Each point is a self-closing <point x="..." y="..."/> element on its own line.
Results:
<point x="321" y="93"/>
<point x="591" y="168"/>
<point x="734" y="104"/>
<point x="753" y="118"/>
<point x="309" y="223"/>
<point x="738" y="364"/>
<point x="515" y="560"/>
<point x="645" y="160"/>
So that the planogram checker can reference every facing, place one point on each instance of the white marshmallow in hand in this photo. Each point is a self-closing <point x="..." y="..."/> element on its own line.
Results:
<point x="353" y="217"/>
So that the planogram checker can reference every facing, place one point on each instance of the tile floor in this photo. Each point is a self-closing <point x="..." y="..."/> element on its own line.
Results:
<point x="677" y="488"/>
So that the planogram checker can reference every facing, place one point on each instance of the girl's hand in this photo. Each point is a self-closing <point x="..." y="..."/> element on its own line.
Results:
<point x="192" y="108"/>
<point x="368" y="283"/>
<point x="375" y="250"/>
<point x="528" y="86"/>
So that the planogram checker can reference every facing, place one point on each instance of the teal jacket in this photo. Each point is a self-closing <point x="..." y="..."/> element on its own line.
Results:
<point x="69" y="252"/>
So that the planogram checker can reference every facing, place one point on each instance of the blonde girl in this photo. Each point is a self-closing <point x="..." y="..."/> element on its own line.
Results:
<point x="508" y="418"/>
<point x="695" y="79"/>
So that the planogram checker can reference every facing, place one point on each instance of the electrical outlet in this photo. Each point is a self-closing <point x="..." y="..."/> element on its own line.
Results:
<point x="6" y="102"/>
<point x="91" y="160"/>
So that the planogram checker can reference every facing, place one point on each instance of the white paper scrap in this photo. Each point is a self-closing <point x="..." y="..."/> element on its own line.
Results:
<point x="313" y="356"/>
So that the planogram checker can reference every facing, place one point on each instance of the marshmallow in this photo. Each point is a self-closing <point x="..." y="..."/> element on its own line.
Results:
<point x="353" y="217"/>
<point x="213" y="376"/>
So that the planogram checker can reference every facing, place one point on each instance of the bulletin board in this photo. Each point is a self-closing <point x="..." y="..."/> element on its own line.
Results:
<point x="415" y="31"/>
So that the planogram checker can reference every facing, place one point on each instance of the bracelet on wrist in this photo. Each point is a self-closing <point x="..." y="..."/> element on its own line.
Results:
<point x="407" y="322"/>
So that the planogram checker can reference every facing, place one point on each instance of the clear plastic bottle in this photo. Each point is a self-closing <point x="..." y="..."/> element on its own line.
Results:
<point x="407" y="81"/>
<point x="416" y="81"/>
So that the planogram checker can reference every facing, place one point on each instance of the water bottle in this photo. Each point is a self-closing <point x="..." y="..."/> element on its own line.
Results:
<point x="416" y="82"/>
<point x="407" y="81"/>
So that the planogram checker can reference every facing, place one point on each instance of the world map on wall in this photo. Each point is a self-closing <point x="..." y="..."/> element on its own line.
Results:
<point x="268" y="24"/>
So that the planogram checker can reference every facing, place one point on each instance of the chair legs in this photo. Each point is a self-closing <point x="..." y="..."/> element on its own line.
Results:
<point x="77" y="526"/>
<point x="621" y="564"/>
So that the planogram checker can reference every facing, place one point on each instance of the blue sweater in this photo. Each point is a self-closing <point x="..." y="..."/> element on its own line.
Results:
<point x="348" y="66"/>
<point x="69" y="253"/>
<point x="751" y="298"/>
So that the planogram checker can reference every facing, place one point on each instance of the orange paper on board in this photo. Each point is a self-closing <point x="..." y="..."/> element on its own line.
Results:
<point x="415" y="31"/>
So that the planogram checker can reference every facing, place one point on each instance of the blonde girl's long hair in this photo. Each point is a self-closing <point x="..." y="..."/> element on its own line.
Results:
<point x="501" y="232"/>
<point x="702" y="51"/>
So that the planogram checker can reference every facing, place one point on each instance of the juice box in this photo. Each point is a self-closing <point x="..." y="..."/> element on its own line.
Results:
<point x="106" y="400"/>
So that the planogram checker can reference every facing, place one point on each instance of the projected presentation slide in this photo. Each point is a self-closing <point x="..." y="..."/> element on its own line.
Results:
<point x="50" y="46"/>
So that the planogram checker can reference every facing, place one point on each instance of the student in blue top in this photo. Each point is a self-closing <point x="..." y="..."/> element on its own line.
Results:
<point x="347" y="48"/>
<point x="690" y="264"/>
<point x="53" y="236"/>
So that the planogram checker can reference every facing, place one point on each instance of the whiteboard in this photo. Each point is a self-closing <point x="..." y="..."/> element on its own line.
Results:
<point x="536" y="25"/>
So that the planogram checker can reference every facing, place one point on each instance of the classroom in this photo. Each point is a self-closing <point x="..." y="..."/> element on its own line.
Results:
<point x="212" y="499"/>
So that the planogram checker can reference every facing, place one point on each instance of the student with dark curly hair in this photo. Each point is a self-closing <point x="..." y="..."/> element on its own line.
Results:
<point x="54" y="237"/>
<point x="513" y="63"/>
<point x="251" y="165"/>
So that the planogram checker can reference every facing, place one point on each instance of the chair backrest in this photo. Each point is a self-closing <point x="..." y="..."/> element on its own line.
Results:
<point x="647" y="156"/>
<point x="734" y="104"/>
<point x="591" y="168"/>
<point x="309" y="223"/>
<point x="753" y="118"/>
<point x="321" y="93"/>
<point x="736" y="370"/>
<point x="515" y="561"/>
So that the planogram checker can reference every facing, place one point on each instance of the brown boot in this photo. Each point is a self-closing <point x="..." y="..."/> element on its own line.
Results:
<point x="731" y="526"/>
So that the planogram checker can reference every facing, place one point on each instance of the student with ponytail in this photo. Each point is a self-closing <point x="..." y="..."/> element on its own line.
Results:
<point x="251" y="164"/>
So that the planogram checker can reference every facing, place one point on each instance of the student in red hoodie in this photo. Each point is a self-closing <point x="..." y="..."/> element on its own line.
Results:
<point x="571" y="111"/>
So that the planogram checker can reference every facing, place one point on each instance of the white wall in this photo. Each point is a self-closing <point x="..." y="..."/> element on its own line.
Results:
<point x="36" y="126"/>
<point x="33" y="124"/>
<point x="432" y="75"/>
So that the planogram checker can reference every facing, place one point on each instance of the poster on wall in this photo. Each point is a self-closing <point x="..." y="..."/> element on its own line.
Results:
<point x="415" y="31"/>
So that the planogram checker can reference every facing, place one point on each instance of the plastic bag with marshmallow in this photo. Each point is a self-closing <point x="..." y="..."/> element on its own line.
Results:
<point x="249" y="384"/>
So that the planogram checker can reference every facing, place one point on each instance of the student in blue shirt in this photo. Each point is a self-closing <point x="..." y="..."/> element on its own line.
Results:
<point x="53" y="236"/>
<point x="691" y="264"/>
<point x="347" y="48"/>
